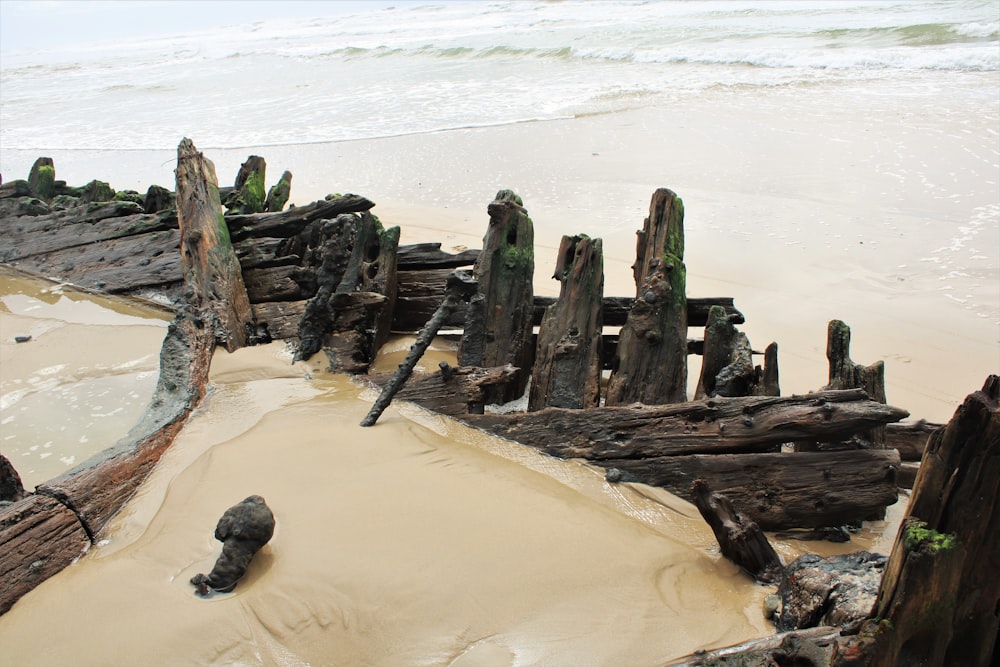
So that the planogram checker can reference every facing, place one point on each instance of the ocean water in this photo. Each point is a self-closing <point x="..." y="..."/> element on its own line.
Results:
<point x="427" y="67"/>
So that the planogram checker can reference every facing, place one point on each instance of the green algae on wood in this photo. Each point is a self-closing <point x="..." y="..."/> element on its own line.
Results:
<point x="650" y="364"/>
<point x="498" y="328"/>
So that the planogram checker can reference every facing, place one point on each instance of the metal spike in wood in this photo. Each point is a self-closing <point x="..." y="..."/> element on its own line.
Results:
<point x="461" y="286"/>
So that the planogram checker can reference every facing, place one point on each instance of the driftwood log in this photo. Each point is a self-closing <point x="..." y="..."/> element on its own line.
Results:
<point x="44" y="532"/>
<point x="650" y="364"/>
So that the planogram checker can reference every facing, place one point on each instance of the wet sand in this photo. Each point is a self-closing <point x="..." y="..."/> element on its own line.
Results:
<point x="418" y="541"/>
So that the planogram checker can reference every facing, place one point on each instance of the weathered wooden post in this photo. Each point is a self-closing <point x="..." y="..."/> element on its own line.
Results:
<point x="938" y="602"/>
<point x="650" y="365"/>
<point x="278" y="195"/>
<point x="351" y="313"/>
<point x="845" y="374"/>
<point x="567" y="369"/>
<point x="248" y="190"/>
<point x="498" y="325"/>
<point x="460" y="287"/>
<point x="211" y="271"/>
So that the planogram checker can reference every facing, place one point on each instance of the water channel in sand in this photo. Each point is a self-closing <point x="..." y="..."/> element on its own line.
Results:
<point x="418" y="541"/>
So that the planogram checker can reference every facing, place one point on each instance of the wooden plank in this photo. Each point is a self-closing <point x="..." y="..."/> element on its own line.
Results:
<point x="782" y="490"/>
<point x="717" y="426"/>
<point x="38" y="538"/>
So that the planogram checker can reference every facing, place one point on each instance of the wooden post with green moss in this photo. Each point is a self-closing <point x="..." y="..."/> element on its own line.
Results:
<point x="208" y="262"/>
<point x="248" y="190"/>
<point x="499" y="321"/>
<point x="567" y="369"/>
<point x="650" y="364"/>
<point x="278" y="195"/>
<point x="42" y="179"/>
<point x="938" y="601"/>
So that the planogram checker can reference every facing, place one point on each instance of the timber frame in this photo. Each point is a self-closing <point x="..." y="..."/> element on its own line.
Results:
<point x="328" y="276"/>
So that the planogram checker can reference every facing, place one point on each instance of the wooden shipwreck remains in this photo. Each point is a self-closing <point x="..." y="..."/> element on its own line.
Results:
<point x="47" y="530"/>
<point x="937" y="602"/>
<point x="328" y="276"/>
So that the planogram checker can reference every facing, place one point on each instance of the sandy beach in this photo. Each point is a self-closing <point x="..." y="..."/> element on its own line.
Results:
<point x="835" y="162"/>
<point x="418" y="542"/>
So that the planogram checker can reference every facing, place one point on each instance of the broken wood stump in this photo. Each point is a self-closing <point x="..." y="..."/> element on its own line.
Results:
<point x="845" y="374"/>
<point x="498" y="326"/>
<point x="650" y="364"/>
<point x="727" y="362"/>
<point x="279" y="193"/>
<point x="567" y="368"/>
<point x="247" y="195"/>
<point x="739" y="538"/>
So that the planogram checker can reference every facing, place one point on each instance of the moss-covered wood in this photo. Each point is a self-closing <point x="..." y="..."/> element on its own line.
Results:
<point x="248" y="193"/>
<point x="650" y="364"/>
<point x="567" y="369"/>
<point x="499" y="319"/>
<point x="279" y="193"/>
<point x="208" y="262"/>
<point x="42" y="179"/>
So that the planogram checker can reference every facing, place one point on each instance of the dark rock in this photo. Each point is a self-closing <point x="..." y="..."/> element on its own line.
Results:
<point x="22" y="339"/>
<point x="834" y="591"/>
<point x="243" y="529"/>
